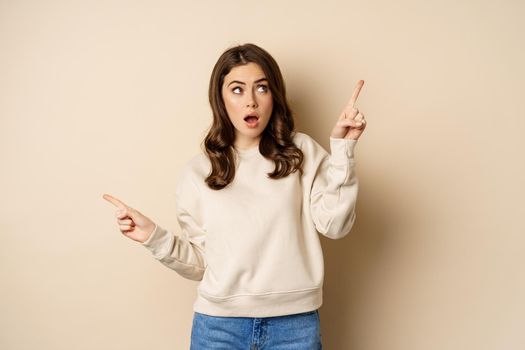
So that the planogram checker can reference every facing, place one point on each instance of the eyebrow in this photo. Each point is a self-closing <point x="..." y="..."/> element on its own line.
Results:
<point x="240" y="82"/>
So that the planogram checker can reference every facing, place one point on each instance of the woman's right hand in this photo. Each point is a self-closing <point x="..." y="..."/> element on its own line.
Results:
<point x="132" y="223"/>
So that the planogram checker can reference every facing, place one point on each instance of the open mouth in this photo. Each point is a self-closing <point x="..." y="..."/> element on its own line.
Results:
<point x="251" y="118"/>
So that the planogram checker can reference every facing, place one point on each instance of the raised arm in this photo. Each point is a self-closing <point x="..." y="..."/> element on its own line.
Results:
<point x="334" y="190"/>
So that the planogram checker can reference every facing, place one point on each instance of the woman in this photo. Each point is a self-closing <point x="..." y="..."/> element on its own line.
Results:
<point x="251" y="208"/>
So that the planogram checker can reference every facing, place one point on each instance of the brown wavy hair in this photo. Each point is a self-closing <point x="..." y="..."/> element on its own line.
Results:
<point x="276" y="139"/>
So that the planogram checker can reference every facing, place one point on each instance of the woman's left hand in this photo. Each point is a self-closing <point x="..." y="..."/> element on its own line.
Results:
<point x="351" y="123"/>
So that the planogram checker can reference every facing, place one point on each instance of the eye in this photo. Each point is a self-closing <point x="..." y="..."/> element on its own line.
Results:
<point x="235" y="88"/>
<point x="265" y="88"/>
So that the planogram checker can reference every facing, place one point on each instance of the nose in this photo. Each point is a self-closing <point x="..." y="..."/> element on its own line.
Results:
<point x="251" y="102"/>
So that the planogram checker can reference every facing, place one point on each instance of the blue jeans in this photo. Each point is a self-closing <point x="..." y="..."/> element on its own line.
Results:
<point x="300" y="331"/>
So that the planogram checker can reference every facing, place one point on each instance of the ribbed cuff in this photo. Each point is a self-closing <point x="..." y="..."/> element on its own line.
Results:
<point x="342" y="150"/>
<point x="154" y="237"/>
<point x="159" y="242"/>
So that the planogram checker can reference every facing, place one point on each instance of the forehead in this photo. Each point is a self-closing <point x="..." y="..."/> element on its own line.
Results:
<point x="245" y="73"/>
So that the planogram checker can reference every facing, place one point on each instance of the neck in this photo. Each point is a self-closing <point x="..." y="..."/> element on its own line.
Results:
<point x="248" y="143"/>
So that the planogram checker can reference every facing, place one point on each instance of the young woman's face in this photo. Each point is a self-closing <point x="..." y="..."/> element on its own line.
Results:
<point x="245" y="92"/>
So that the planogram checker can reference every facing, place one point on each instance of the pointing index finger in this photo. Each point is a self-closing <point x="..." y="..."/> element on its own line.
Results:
<point x="119" y="204"/>
<point x="357" y="89"/>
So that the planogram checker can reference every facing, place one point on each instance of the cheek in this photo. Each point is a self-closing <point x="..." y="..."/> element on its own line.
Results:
<point x="227" y="103"/>
<point x="269" y="104"/>
<point x="232" y="107"/>
<point x="231" y="102"/>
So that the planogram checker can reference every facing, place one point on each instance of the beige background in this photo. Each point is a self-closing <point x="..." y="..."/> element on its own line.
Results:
<point x="111" y="97"/>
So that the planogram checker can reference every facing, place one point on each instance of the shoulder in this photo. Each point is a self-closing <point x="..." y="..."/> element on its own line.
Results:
<point x="307" y="143"/>
<point x="196" y="169"/>
<point x="299" y="137"/>
<point x="198" y="162"/>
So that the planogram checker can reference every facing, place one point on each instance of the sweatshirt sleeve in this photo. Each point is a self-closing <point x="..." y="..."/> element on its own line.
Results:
<point x="334" y="189"/>
<point x="183" y="253"/>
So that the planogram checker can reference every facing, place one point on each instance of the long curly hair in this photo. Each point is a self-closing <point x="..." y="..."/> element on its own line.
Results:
<point x="276" y="139"/>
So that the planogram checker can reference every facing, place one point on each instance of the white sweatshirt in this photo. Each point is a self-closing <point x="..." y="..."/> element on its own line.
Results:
<point x="254" y="245"/>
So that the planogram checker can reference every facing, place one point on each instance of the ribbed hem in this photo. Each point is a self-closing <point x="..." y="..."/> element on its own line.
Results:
<point x="260" y="305"/>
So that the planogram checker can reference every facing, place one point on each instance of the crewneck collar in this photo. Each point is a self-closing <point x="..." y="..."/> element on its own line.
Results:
<point x="247" y="152"/>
